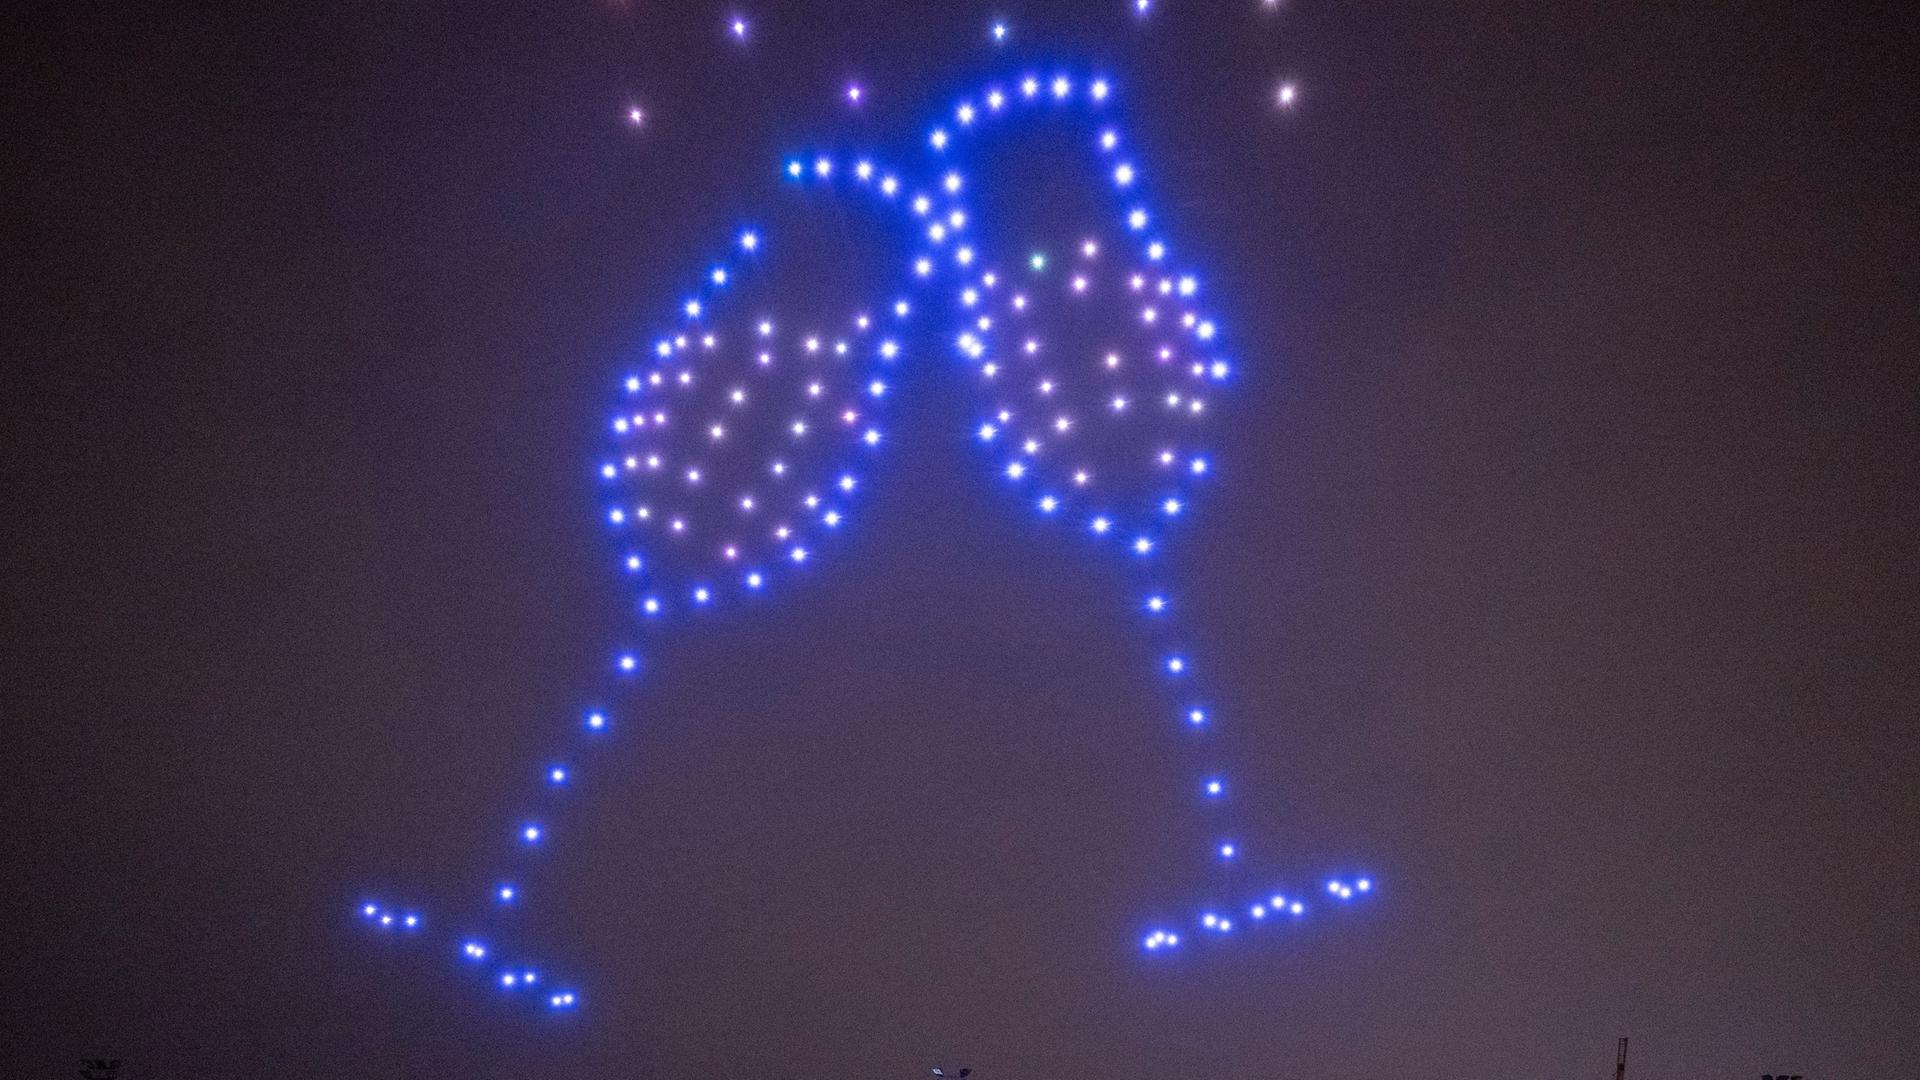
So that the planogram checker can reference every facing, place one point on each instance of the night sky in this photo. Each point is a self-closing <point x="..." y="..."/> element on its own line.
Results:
<point x="1560" y="572"/>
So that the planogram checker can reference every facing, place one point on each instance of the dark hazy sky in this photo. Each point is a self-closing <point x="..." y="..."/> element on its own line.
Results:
<point x="1565" y="577"/>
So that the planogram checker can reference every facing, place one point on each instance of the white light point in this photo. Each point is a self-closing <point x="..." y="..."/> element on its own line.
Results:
<point x="1286" y="95"/>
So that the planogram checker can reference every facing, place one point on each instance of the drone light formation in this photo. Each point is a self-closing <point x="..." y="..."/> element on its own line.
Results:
<point x="741" y="439"/>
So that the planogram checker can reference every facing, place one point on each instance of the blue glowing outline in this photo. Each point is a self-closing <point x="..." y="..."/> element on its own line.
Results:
<point x="928" y="264"/>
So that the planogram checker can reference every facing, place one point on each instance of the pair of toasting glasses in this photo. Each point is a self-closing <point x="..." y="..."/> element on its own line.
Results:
<point x="744" y="436"/>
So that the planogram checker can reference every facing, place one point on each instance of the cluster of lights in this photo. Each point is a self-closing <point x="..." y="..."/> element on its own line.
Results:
<point x="729" y="446"/>
<point x="1112" y="439"/>
<point x="507" y="977"/>
<point x="735" y="452"/>
<point x="389" y="919"/>
<point x="736" y="446"/>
